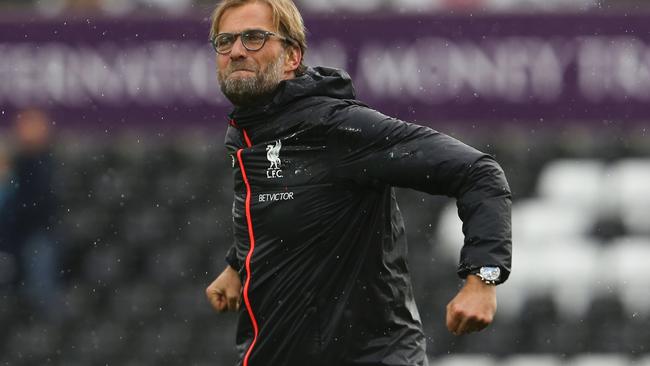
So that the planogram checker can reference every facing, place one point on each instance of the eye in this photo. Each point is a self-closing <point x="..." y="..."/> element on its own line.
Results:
<point x="254" y="36"/>
<point x="224" y="40"/>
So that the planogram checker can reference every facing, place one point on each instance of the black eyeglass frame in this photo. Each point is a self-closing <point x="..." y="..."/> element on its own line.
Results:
<point x="266" y="34"/>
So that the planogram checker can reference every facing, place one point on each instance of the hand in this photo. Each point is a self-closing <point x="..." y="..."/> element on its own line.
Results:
<point x="473" y="308"/>
<point x="224" y="293"/>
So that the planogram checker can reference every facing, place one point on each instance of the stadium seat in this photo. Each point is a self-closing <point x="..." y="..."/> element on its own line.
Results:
<point x="145" y="226"/>
<point x="207" y="225"/>
<point x="188" y="302"/>
<point x="464" y="360"/>
<point x="629" y="182"/>
<point x="137" y="301"/>
<point x="571" y="265"/>
<point x="570" y="337"/>
<point x="8" y="313"/>
<point x="199" y="147"/>
<point x="503" y="337"/>
<point x="564" y="269"/>
<point x="107" y="265"/>
<point x="97" y="341"/>
<point x="635" y="219"/>
<point x="79" y="299"/>
<point x="180" y="186"/>
<point x="208" y="362"/>
<point x="169" y="339"/>
<point x="533" y="360"/>
<point x="77" y="162"/>
<point x="33" y="343"/>
<point x="544" y="222"/>
<point x="449" y="234"/>
<point x="641" y="361"/>
<point x="7" y="269"/>
<point x="73" y="360"/>
<point x="573" y="182"/>
<point x="626" y="261"/>
<point x="539" y="317"/>
<point x="171" y="265"/>
<point x="635" y="334"/>
<point x="84" y="225"/>
<point x="134" y="149"/>
<point x="114" y="187"/>
<point x="631" y="177"/>
<point x="214" y="339"/>
<point x="606" y="322"/>
<point x="599" y="360"/>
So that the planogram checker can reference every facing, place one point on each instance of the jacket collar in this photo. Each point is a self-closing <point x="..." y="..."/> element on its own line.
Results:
<point x="317" y="81"/>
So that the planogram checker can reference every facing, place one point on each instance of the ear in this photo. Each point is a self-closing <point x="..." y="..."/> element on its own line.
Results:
<point x="293" y="59"/>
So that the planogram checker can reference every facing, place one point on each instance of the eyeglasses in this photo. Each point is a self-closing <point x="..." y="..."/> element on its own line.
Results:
<point x="253" y="40"/>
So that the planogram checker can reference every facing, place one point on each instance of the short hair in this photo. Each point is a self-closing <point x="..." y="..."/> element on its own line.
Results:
<point x="286" y="19"/>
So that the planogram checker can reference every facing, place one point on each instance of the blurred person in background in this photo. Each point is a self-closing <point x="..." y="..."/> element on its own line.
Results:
<point x="7" y="266"/>
<point x="5" y="178"/>
<point x="319" y="240"/>
<point x="28" y="214"/>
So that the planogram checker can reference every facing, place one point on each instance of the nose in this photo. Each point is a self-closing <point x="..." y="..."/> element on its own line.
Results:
<point x="238" y="50"/>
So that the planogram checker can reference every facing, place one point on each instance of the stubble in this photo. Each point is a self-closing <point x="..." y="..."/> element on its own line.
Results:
<point x="249" y="91"/>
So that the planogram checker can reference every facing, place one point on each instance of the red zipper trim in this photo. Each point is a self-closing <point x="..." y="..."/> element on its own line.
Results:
<point x="246" y="138"/>
<point x="251" y="237"/>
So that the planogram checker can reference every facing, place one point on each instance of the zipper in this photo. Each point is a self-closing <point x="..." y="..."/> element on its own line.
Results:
<point x="251" y="237"/>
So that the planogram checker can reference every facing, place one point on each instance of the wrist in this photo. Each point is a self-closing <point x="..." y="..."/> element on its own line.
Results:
<point x="476" y="281"/>
<point x="490" y="275"/>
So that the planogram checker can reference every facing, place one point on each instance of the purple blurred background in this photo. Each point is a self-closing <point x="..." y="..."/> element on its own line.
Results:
<point x="158" y="70"/>
<point x="116" y="192"/>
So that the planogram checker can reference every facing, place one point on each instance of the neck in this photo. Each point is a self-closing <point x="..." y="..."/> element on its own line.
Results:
<point x="258" y="100"/>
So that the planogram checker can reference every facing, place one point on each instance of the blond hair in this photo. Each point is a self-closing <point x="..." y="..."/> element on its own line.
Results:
<point x="286" y="20"/>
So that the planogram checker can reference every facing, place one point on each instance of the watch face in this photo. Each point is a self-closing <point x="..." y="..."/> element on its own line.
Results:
<point x="490" y="273"/>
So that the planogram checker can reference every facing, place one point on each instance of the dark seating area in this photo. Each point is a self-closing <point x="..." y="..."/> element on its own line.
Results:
<point x="144" y="226"/>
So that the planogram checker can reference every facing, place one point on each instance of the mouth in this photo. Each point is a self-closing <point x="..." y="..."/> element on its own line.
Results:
<point x="242" y="70"/>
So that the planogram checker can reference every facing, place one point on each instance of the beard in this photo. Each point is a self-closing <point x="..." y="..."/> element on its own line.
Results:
<point x="251" y="90"/>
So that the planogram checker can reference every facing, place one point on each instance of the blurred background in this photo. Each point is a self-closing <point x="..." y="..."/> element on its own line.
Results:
<point x="115" y="190"/>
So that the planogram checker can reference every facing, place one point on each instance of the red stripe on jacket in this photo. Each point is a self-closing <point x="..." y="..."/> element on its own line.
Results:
<point x="251" y="237"/>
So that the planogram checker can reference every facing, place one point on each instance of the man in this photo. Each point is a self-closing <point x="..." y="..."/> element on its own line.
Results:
<point x="26" y="223"/>
<point x="319" y="260"/>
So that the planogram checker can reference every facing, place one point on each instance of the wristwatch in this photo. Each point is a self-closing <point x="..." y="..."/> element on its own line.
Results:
<point x="488" y="274"/>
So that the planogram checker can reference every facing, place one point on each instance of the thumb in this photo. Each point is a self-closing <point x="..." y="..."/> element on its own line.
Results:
<point x="233" y="296"/>
<point x="217" y="298"/>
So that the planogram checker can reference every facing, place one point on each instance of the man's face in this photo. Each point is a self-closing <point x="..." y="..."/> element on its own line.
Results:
<point x="32" y="131"/>
<point x="246" y="76"/>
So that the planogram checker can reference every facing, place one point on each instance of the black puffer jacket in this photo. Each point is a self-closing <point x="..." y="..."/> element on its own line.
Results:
<point x="319" y="240"/>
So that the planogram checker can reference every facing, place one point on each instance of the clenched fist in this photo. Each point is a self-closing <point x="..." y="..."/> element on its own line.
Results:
<point x="473" y="308"/>
<point x="224" y="293"/>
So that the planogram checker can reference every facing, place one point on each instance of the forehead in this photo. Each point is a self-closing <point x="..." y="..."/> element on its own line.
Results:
<point x="247" y="16"/>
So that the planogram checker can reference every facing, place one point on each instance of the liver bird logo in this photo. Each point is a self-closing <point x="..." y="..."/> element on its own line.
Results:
<point x="273" y="154"/>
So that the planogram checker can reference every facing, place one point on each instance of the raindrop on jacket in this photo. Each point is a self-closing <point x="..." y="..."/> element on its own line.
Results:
<point x="319" y="239"/>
